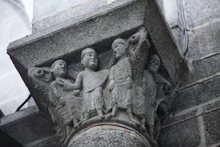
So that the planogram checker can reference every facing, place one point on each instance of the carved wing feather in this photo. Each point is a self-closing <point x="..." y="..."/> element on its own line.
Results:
<point x="138" y="50"/>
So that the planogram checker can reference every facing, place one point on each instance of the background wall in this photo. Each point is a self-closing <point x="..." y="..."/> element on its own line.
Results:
<point x="194" y="118"/>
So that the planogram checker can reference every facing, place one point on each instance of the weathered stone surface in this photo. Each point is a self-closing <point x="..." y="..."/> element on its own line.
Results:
<point x="67" y="39"/>
<point x="202" y="69"/>
<point x="51" y="141"/>
<point x="7" y="141"/>
<point x="204" y="40"/>
<point x="166" y="48"/>
<point x="178" y="35"/>
<point x="212" y="127"/>
<point x="109" y="136"/>
<point x="196" y="94"/>
<point x="184" y="134"/>
<point x="211" y="106"/>
<point x="125" y="100"/>
<point x="98" y="31"/>
<point x="28" y="128"/>
<point x="184" y="115"/>
<point x="65" y="14"/>
<point x="19" y="115"/>
<point x="71" y="36"/>
<point x="199" y="12"/>
<point x="175" y="119"/>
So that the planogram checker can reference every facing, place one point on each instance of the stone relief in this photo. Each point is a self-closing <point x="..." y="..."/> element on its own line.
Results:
<point x="125" y="75"/>
<point x="90" y="82"/>
<point x="64" y="106"/>
<point x="156" y="89"/>
<point x="126" y="92"/>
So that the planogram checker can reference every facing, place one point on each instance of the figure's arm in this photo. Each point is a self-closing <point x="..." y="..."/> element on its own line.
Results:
<point x="76" y="85"/>
<point x="111" y="83"/>
<point x="129" y="82"/>
<point x="53" y="94"/>
<point x="54" y="89"/>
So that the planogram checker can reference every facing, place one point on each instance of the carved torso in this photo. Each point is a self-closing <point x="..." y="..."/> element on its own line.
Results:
<point x="92" y="89"/>
<point x="120" y="72"/>
<point x="92" y="80"/>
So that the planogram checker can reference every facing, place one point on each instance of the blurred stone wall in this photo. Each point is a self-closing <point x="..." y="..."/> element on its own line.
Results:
<point x="194" y="119"/>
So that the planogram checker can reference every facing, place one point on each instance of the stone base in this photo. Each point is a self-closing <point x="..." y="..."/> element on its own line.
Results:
<point x="109" y="135"/>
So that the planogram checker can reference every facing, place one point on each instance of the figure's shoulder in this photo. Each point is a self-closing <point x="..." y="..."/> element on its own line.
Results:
<point x="102" y="73"/>
<point x="127" y="60"/>
<point x="148" y="75"/>
<point x="105" y="71"/>
<point x="81" y="73"/>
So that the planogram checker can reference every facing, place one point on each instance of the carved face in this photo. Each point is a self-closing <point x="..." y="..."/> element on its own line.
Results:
<point x="59" y="68"/>
<point x="119" y="47"/>
<point x="90" y="60"/>
<point x="154" y="63"/>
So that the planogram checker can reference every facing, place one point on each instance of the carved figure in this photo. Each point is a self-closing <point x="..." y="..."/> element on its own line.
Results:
<point x="65" y="114"/>
<point x="121" y="79"/>
<point x="127" y="74"/>
<point x="156" y="89"/>
<point x="140" y="94"/>
<point x="90" y="82"/>
<point x="138" y="52"/>
<point x="164" y="89"/>
<point x="41" y="77"/>
<point x="64" y="107"/>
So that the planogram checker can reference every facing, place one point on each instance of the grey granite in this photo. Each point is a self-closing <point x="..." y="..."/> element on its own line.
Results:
<point x="203" y="68"/>
<point x="27" y="126"/>
<point x="199" y="12"/>
<point x="34" y="56"/>
<point x="196" y="94"/>
<point x="184" y="134"/>
<point x="64" y="15"/>
<point x="212" y="127"/>
<point x="163" y="41"/>
<point x="108" y="136"/>
<point x="204" y="40"/>
<point x="98" y="30"/>
<point x="69" y="37"/>
<point x="174" y="119"/>
<point x="19" y="115"/>
<point x="51" y="141"/>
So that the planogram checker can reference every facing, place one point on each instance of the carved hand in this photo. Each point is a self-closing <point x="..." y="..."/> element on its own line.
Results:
<point x="111" y="85"/>
<point x="168" y="89"/>
<point x="62" y="101"/>
<point x="129" y="83"/>
<point x="60" y="82"/>
<point x="76" y="92"/>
